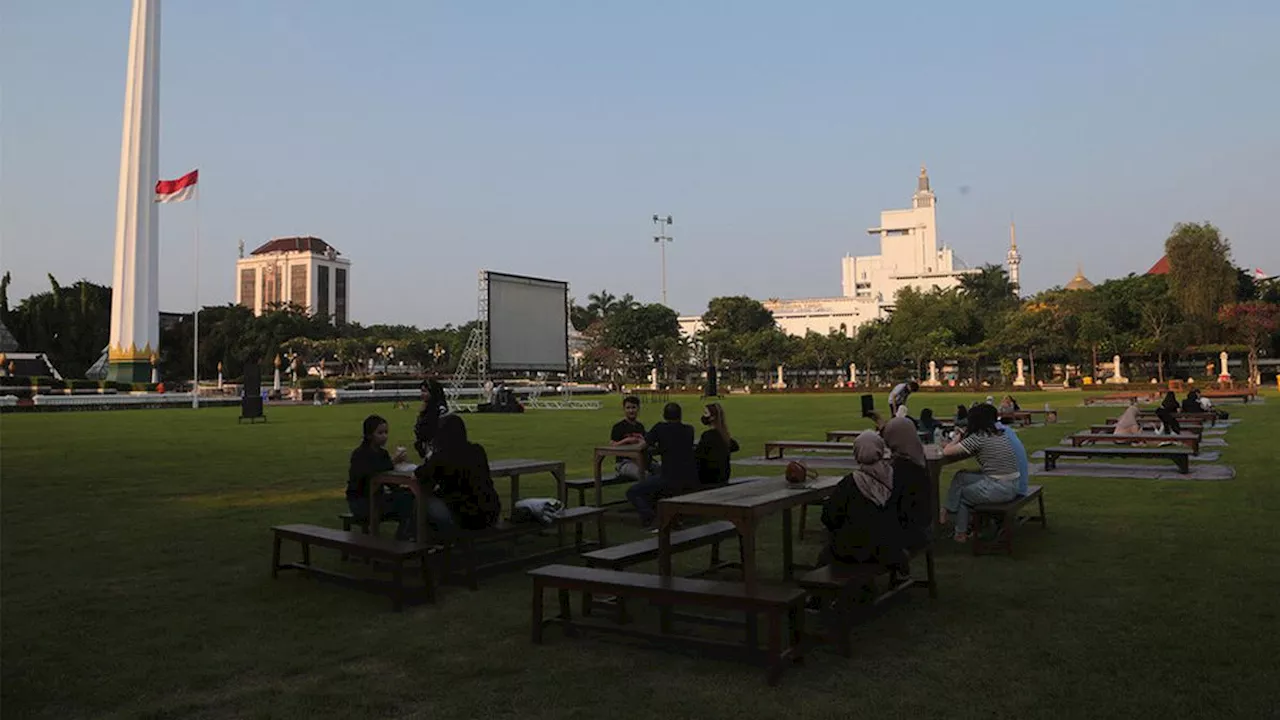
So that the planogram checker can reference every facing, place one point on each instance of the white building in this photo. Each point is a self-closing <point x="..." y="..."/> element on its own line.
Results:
<point x="910" y="256"/>
<point x="303" y="271"/>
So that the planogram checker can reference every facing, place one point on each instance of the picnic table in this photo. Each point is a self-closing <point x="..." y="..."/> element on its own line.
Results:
<point x="1015" y="417"/>
<point x="1191" y="440"/>
<point x="782" y="445"/>
<point x="744" y="505"/>
<point x="511" y="469"/>
<point x="635" y="453"/>
<point x="1050" y="415"/>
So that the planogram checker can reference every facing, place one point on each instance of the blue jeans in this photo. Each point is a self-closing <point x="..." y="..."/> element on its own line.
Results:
<point x="439" y="517"/>
<point x="644" y="495"/>
<point x="970" y="488"/>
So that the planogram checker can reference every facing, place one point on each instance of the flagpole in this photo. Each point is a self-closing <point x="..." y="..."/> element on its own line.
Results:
<point x="195" y="345"/>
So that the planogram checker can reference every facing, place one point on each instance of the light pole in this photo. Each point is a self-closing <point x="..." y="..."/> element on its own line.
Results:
<point x="662" y="238"/>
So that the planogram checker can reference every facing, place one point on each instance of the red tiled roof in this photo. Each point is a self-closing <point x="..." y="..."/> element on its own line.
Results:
<point x="1161" y="267"/>
<point x="314" y="245"/>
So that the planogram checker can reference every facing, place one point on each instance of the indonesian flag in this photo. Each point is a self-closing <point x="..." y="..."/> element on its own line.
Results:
<point x="1257" y="273"/>
<point x="184" y="188"/>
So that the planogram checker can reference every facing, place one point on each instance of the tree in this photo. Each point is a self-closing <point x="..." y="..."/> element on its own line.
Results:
<point x="639" y="332"/>
<point x="1251" y="323"/>
<point x="737" y="314"/>
<point x="71" y="324"/>
<point x="990" y="287"/>
<point x="1201" y="276"/>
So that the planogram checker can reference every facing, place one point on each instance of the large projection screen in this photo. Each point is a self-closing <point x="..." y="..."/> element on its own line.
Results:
<point x="528" y="323"/>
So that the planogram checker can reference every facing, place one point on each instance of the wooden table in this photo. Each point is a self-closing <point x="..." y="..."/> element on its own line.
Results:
<point x="634" y="452"/>
<point x="744" y="505"/>
<point x="1019" y="417"/>
<point x="511" y="468"/>
<point x="1050" y="415"/>
<point x="782" y="445"/>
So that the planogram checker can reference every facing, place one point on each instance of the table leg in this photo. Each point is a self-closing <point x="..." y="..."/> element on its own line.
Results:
<point x="665" y="521"/>
<point x="515" y="491"/>
<point x="374" y="510"/>
<point x="562" y="492"/>
<point x="788" y="552"/>
<point x="747" y="533"/>
<point x="597" y="478"/>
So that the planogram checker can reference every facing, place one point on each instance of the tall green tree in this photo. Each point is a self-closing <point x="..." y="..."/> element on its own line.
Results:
<point x="1201" y="276"/>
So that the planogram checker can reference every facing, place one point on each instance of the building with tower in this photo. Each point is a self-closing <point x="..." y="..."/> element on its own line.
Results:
<point x="910" y="256"/>
<point x="1079" y="282"/>
<point x="303" y="271"/>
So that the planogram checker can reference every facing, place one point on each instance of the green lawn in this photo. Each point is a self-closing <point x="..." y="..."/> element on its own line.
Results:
<point x="136" y="557"/>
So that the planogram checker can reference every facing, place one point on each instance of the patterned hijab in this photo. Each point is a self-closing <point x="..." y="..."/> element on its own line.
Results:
<point x="874" y="475"/>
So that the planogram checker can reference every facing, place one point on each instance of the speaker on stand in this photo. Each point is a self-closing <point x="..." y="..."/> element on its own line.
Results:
<point x="251" y="394"/>
<point x="711" y="389"/>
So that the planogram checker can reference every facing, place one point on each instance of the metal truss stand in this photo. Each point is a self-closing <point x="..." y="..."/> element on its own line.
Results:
<point x="476" y="353"/>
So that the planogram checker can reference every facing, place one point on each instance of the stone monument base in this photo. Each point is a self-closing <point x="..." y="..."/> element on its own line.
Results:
<point x="129" y="371"/>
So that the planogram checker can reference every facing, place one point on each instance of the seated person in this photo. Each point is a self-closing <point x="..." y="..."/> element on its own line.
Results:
<point x="861" y="519"/>
<point x="928" y="423"/>
<point x="369" y="459"/>
<point x="714" y="447"/>
<point x="457" y="477"/>
<point x="1167" y="412"/>
<point x="910" y="482"/>
<point x="434" y="406"/>
<point x="628" y="431"/>
<point x="962" y="416"/>
<point x="1192" y="402"/>
<point x="673" y="440"/>
<point x="997" y="478"/>
<point x="1008" y="405"/>
<point x="1128" y="424"/>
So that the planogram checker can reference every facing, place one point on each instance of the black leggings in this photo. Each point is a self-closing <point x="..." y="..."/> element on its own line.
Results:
<point x="1170" y="422"/>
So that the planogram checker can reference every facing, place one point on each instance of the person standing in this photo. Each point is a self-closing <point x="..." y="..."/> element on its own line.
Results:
<point x="899" y="394"/>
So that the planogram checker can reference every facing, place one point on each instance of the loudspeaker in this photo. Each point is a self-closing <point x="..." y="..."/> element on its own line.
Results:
<point x="868" y="405"/>
<point x="711" y="389"/>
<point x="251" y="400"/>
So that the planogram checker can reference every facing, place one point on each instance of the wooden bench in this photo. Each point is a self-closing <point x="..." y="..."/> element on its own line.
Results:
<point x="1050" y="415"/>
<point x="832" y="586"/>
<point x="618" y="557"/>
<point x="1005" y="517"/>
<point x="1205" y="418"/>
<point x="1181" y="456"/>
<point x="780" y="446"/>
<point x="582" y="485"/>
<point x="1191" y="440"/>
<point x="666" y="591"/>
<point x="840" y="435"/>
<point x="467" y="540"/>
<point x="1110" y="427"/>
<point x="395" y="552"/>
<point x="1244" y="395"/>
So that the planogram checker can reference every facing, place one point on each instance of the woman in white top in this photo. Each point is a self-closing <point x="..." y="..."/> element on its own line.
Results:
<point x="997" y="478"/>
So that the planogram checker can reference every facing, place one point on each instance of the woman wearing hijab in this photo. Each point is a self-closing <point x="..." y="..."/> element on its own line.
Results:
<point x="1128" y="423"/>
<point x="1167" y="412"/>
<point x="434" y="406"/>
<point x="860" y="517"/>
<point x="910" y="482"/>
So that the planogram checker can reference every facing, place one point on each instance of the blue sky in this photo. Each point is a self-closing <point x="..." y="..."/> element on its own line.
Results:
<point x="429" y="140"/>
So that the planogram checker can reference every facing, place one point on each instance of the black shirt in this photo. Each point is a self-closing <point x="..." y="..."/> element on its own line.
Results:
<point x="424" y="430"/>
<point x="712" y="455"/>
<point x="625" y="427"/>
<point x="674" y="442"/>
<point x="366" y="461"/>
<point x="464" y="484"/>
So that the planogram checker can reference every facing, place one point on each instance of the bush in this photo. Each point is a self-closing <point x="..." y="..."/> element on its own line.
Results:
<point x="140" y="387"/>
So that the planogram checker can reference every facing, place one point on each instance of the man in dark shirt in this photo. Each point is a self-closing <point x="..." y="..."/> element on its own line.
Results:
<point x="628" y="431"/>
<point x="673" y="440"/>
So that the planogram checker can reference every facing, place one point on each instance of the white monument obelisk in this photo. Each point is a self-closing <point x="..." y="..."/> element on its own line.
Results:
<point x="135" y="282"/>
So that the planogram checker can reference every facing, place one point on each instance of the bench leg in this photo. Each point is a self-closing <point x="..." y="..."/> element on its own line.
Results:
<point x="601" y="537"/>
<point x="566" y="612"/>
<point x="795" y="619"/>
<point x="577" y="535"/>
<point x="275" y="557"/>
<point x="931" y="578"/>
<point x="775" y="647"/>
<point x="582" y="497"/>
<point x="428" y="587"/>
<point x="1184" y="465"/>
<point x="469" y="560"/>
<point x="537" y="612"/>
<point x="397" y="589"/>
<point x="346" y="527"/>
<point x="804" y="516"/>
<point x="306" y="554"/>
<point x="715" y="554"/>
<point x="1005" y="534"/>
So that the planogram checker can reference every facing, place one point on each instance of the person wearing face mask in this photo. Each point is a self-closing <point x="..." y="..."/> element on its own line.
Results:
<point x="714" y="447"/>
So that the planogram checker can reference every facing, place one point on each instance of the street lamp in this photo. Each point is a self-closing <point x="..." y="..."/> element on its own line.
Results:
<point x="662" y="238"/>
<point x="386" y="353"/>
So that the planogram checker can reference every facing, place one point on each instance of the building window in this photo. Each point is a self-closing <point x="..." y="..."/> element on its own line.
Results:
<point x="322" y="292"/>
<point x="339" y="296"/>
<point x="248" y="284"/>
<point x="898" y="232"/>
<point x="298" y="285"/>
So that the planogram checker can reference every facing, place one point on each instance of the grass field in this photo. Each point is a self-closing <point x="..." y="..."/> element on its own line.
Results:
<point x="135" y="584"/>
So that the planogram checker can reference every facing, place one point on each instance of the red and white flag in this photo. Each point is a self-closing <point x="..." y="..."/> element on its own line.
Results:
<point x="1257" y="273"/>
<point x="184" y="188"/>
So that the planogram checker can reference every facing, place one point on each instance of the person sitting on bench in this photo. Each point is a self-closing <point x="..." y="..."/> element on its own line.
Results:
<point x="962" y="417"/>
<point x="673" y="440"/>
<point x="1197" y="403"/>
<point x="457" y="476"/>
<point x="1128" y="423"/>
<point x="997" y="478"/>
<point x="629" y="431"/>
<point x="714" y="447"/>
<point x="928" y="423"/>
<point x="1167" y="412"/>
<point x="369" y="459"/>
<point x="434" y="406"/>
<point x="910" y="482"/>
<point x="861" y="520"/>
<point x="1008" y="405"/>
